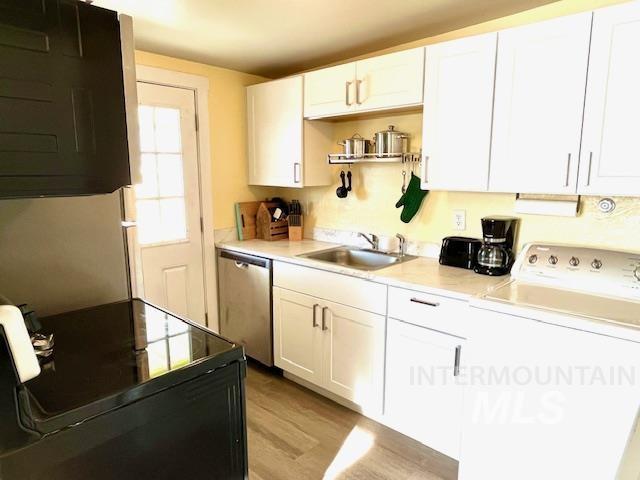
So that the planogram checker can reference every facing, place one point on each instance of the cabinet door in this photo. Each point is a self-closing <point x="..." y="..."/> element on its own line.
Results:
<point x="456" y="126"/>
<point x="63" y="129"/>
<point x="353" y="357"/>
<point x="274" y="112"/>
<point x="330" y="91"/>
<point x="610" y="162"/>
<point x="297" y="334"/>
<point x="540" y="80"/>
<point x="422" y="397"/>
<point x="534" y="392"/>
<point x="389" y="81"/>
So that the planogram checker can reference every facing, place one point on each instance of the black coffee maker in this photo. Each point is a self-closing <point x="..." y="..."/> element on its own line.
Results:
<point x="495" y="256"/>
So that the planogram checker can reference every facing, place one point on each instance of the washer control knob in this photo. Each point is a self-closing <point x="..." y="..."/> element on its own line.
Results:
<point x="574" y="261"/>
<point x="636" y="272"/>
<point x="553" y="259"/>
<point x="596" y="264"/>
<point x="533" y="259"/>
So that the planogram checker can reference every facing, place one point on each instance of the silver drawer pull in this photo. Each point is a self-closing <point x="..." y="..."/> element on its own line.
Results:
<point x="242" y="265"/>
<point x="425" y="302"/>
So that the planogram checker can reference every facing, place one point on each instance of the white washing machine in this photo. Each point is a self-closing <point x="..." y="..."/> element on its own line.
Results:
<point x="553" y="376"/>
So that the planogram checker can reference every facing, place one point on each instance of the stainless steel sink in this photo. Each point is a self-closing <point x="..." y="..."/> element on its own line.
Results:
<point x="361" y="259"/>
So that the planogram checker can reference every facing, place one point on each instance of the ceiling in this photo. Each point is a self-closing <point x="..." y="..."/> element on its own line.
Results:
<point x="278" y="37"/>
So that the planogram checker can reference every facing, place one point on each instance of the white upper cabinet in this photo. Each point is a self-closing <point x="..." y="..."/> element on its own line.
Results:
<point x="378" y="83"/>
<point x="392" y="80"/>
<point x="283" y="149"/>
<point x="610" y="163"/>
<point x="456" y="126"/>
<point x="541" y="75"/>
<point x="330" y="91"/>
<point x="274" y="111"/>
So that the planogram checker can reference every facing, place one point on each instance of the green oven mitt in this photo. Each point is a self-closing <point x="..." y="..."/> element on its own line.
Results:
<point x="411" y="199"/>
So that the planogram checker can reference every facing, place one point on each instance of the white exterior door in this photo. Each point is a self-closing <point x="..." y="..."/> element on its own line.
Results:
<point x="540" y="79"/>
<point x="422" y="397"/>
<point x="330" y="91"/>
<point x="391" y="80"/>
<point x="456" y="126"/>
<point x="274" y="112"/>
<point x="353" y="344"/>
<point x="610" y="163"/>
<point x="297" y="335"/>
<point x="168" y="240"/>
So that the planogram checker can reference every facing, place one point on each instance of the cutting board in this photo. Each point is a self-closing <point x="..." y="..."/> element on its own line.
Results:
<point x="246" y="219"/>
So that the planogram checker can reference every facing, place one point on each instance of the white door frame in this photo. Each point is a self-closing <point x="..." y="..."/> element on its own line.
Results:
<point x="200" y="86"/>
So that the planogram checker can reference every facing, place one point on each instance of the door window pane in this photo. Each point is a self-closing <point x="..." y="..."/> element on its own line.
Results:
<point x="149" y="223"/>
<point x="147" y="132"/>
<point x="173" y="219"/>
<point x="160" y="200"/>
<point x="170" y="180"/>
<point x="167" y="126"/>
<point x="149" y="186"/>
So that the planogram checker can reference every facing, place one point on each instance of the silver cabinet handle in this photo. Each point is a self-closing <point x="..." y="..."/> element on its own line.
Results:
<point x="566" y="181"/>
<point x="315" y="323"/>
<point x="456" y="361"/>
<point x="426" y="163"/>
<point x="346" y="93"/>
<point x="358" y="83"/>
<point x="296" y="172"/>
<point x="589" y="169"/>
<point x="425" y="302"/>
<point x="324" y="318"/>
<point x="242" y="265"/>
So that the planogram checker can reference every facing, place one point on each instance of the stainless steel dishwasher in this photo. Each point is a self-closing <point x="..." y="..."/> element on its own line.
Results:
<point x="244" y="286"/>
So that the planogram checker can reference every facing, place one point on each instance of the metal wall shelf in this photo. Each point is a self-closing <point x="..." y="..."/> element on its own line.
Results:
<point x="342" y="159"/>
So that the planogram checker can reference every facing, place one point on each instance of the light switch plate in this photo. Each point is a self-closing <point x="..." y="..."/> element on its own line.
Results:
<point x="459" y="220"/>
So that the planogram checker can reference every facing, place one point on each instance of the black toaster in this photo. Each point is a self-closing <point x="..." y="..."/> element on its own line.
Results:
<point x="460" y="252"/>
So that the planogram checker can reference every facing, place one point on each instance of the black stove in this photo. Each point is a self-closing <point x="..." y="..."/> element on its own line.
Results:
<point x="113" y="365"/>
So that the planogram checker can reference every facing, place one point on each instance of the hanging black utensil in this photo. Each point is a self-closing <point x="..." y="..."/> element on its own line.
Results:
<point x="349" y="179"/>
<point x="342" y="191"/>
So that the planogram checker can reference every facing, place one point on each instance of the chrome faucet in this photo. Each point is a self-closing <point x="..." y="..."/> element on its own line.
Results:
<point x="374" y="241"/>
<point x="402" y="248"/>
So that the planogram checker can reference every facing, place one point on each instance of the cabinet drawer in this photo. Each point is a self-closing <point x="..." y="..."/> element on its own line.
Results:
<point x="431" y="311"/>
<point x="334" y="287"/>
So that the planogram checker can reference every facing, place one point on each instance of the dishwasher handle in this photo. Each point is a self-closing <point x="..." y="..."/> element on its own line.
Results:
<point x="243" y="260"/>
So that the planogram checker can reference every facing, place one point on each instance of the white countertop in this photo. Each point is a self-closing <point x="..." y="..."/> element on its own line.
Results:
<point x="422" y="274"/>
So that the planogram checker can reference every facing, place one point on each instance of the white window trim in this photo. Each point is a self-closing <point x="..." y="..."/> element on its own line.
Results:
<point x="200" y="87"/>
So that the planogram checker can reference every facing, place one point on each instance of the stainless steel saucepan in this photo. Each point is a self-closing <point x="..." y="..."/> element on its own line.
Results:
<point x="356" y="146"/>
<point x="391" y="142"/>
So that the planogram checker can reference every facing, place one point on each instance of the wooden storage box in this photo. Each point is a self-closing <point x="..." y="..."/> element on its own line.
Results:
<point x="267" y="228"/>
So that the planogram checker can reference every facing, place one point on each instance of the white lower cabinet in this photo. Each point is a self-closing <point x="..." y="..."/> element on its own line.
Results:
<point x="424" y="357"/>
<point x="333" y="346"/>
<point x="422" y="398"/>
<point x="297" y="338"/>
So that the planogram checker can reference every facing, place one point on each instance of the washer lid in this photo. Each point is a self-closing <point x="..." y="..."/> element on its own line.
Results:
<point x="608" y="309"/>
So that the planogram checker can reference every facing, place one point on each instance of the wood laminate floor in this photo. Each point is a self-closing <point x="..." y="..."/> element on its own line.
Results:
<point x="299" y="435"/>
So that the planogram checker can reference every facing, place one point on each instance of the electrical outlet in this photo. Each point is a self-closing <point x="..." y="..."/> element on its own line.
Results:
<point x="459" y="220"/>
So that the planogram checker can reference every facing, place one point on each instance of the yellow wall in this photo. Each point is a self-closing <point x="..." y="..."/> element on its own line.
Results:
<point x="228" y="126"/>
<point x="370" y="207"/>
